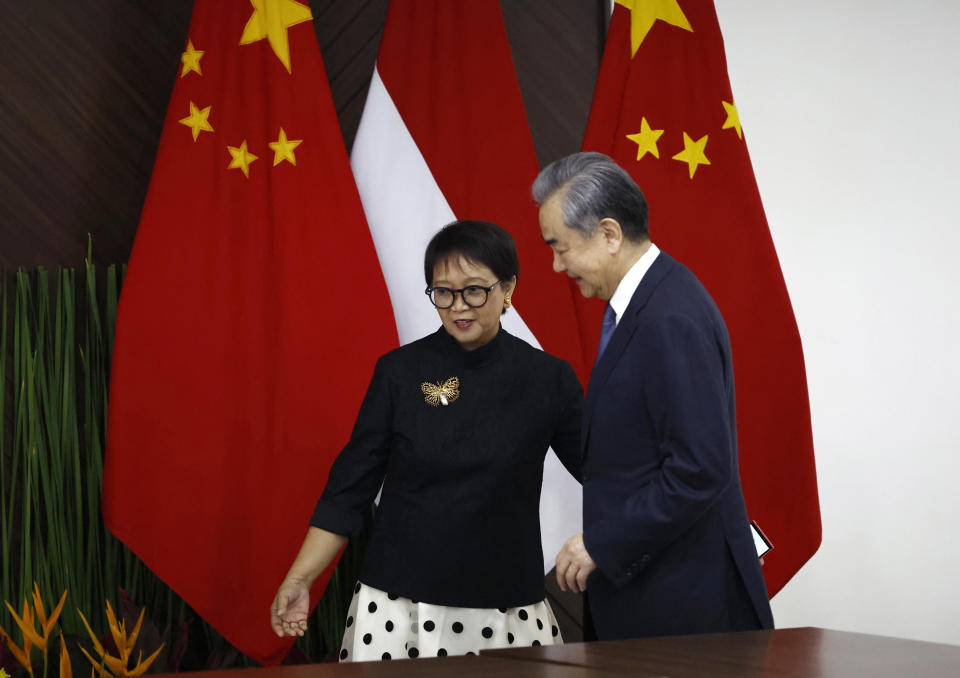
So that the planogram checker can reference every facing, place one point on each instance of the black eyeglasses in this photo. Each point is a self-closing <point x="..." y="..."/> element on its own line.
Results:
<point x="473" y="296"/>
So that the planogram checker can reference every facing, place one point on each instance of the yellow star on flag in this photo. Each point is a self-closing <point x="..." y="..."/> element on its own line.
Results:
<point x="644" y="12"/>
<point x="191" y="60"/>
<point x="270" y="20"/>
<point x="646" y="139"/>
<point x="283" y="149"/>
<point x="733" y="118"/>
<point x="692" y="153"/>
<point x="241" y="158"/>
<point x="197" y="120"/>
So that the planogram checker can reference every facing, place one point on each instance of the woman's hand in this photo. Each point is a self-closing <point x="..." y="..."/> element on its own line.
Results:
<point x="288" y="614"/>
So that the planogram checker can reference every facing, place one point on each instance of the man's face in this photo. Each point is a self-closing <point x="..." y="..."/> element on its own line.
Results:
<point x="583" y="259"/>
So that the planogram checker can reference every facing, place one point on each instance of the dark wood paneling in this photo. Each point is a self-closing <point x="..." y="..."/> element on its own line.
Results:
<point x="556" y="49"/>
<point x="85" y="85"/>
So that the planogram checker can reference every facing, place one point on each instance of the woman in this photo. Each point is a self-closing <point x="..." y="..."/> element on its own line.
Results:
<point x="455" y="427"/>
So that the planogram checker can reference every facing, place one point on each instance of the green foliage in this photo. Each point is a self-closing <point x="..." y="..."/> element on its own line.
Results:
<point x="56" y="341"/>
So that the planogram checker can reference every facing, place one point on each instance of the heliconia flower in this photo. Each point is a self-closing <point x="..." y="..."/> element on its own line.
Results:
<point x="22" y="655"/>
<point x="26" y="623"/>
<point x="66" y="670"/>
<point x="117" y="666"/>
<point x="46" y="625"/>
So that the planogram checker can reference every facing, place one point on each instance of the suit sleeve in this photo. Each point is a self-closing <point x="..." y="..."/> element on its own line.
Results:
<point x="689" y="405"/>
<point x="566" y="437"/>
<point x="358" y="471"/>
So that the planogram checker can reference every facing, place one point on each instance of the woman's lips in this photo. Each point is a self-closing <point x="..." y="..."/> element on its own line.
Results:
<point x="463" y="324"/>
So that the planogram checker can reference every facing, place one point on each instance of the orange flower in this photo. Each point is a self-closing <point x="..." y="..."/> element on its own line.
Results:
<point x="25" y="623"/>
<point x="31" y="636"/>
<point x="117" y="666"/>
<point x="46" y="625"/>
<point x="66" y="670"/>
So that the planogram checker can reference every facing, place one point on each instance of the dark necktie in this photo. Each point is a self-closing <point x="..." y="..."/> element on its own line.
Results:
<point x="606" y="329"/>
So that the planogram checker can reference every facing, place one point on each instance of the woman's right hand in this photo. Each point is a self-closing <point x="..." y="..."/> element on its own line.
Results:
<point x="288" y="614"/>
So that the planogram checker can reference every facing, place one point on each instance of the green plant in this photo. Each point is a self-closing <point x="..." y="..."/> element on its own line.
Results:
<point x="56" y="342"/>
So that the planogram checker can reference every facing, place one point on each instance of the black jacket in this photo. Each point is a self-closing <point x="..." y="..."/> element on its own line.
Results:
<point x="458" y="522"/>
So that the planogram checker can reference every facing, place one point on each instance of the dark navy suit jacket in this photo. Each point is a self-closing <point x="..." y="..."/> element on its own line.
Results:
<point x="663" y="511"/>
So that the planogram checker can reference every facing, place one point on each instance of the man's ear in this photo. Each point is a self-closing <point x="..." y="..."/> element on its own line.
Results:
<point x="612" y="234"/>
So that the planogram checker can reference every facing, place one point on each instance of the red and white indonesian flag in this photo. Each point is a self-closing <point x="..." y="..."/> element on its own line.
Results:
<point x="444" y="136"/>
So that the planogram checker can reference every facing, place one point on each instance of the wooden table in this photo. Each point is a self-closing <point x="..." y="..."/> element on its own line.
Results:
<point x="437" y="667"/>
<point x="806" y="652"/>
<point x="785" y="652"/>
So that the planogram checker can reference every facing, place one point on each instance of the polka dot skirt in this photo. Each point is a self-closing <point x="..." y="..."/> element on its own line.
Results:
<point x="386" y="626"/>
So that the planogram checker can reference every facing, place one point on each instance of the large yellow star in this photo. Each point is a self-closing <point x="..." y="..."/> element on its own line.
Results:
<point x="191" y="60"/>
<point x="692" y="153"/>
<point x="270" y="20"/>
<point x="646" y="140"/>
<point x="241" y="158"/>
<point x="733" y="118"/>
<point x="644" y="12"/>
<point x="283" y="149"/>
<point x="197" y="120"/>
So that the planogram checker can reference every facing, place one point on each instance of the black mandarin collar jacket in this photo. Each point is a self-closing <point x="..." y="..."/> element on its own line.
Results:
<point x="458" y="522"/>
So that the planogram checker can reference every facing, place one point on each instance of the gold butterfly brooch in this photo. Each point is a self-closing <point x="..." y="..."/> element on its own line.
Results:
<point x="441" y="394"/>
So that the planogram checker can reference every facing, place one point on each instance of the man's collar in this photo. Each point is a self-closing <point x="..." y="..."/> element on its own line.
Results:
<point x="629" y="283"/>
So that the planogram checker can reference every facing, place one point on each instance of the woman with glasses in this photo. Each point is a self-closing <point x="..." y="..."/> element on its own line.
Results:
<point x="454" y="427"/>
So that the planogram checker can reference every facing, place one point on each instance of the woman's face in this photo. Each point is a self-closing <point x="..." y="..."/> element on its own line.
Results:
<point x="472" y="327"/>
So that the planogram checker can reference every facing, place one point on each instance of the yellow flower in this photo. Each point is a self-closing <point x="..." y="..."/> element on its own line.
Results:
<point x="117" y="666"/>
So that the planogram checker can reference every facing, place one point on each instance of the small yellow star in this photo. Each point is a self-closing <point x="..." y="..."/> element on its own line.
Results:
<point x="733" y="118"/>
<point x="283" y="149"/>
<point x="4" y="674"/>
<point x="197" y="120"/>
<point x="692" y="153"/>
<point x="241" y="158"/>
<point x="644" y="12"/>
<point x="270" y="20"/>
<point x="646" y="139"/>
<point x="191" y="60"/>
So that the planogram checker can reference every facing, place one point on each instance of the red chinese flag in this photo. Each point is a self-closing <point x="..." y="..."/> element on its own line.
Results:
<point x="664" y="111"/>
<point x="250" y="320"/>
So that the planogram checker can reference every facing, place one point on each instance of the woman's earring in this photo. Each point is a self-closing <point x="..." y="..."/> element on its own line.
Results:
<point x="506" y="302"/>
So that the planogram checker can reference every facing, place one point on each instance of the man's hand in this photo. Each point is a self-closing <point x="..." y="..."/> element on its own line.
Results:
<point x="574" y="565"/>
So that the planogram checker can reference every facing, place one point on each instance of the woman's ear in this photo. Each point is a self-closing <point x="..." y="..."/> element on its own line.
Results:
<point x="508" y="288"/>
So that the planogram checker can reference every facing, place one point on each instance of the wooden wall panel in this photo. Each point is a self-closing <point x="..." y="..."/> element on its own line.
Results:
<point x="84" y="87"/>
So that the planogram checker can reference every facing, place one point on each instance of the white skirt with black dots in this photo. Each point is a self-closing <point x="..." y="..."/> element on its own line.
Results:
<point x="386" y="626"/>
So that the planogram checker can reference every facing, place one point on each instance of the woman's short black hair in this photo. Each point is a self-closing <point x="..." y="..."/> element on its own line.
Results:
<point x="479" y="242"/>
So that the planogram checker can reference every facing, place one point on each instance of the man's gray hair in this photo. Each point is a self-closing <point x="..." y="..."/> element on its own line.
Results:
<point x="594" y="188"/>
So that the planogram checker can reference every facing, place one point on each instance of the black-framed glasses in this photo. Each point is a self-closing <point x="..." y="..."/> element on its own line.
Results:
<point x="473" y="296"/>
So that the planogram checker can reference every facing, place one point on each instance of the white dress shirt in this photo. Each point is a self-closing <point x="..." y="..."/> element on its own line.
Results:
<point x="629" y="283"/>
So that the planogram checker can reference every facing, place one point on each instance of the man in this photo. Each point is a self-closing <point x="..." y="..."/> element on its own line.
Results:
<point x="666" y="547"/>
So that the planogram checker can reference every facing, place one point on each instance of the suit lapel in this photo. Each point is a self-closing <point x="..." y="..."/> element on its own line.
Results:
<point x="626" y="326"/>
